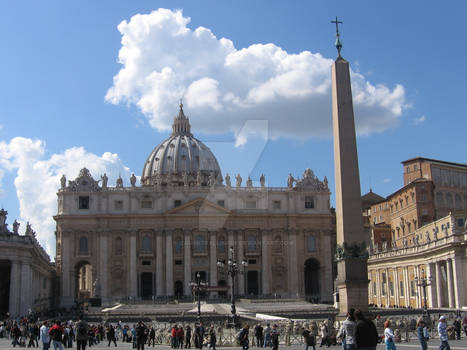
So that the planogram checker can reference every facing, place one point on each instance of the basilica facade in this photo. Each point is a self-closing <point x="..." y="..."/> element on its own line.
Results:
<point x="152" y="239"/>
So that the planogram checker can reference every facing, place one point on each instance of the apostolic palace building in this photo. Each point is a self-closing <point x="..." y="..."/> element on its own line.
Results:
<point x="151" y="240"/>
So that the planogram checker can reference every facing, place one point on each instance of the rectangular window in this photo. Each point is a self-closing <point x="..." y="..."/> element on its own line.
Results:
<point x="83" y="202"/>
<point x="374" y="289"/>
<point x="221" y="203"/>
<point x="118" y="205"/>
<point x="250" y="204"/>
<point x="146" y="262"/>
<point x="460" y="222"/>
<point x="401" y="288"/>
<point x="383" y="285"/>
<point x="251" y="261"/>
<point x="178" y="262"/>
<point x="146" y="204"/>
<point x="177" y="203"/>
<point x="391" y="288"/>
<point x="276" y="204"/>
<point x="311" y="243"/>
<point x="309" y="202"/>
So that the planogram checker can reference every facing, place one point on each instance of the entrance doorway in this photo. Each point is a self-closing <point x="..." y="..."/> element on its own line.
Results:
<point x="5" y="269"/>
<point x="178" y="289"/>
<point x="252" y="283"/>
<point x="146" y="285"/>
<point x="222" y="293"/>
<point x="86" y="285"/>
<point x="312" y="279"/>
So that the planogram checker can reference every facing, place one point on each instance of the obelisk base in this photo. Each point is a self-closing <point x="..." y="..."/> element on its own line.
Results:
<point x="353" y="294"/>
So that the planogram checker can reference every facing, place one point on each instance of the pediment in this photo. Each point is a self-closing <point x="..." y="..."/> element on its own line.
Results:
<point x="199" y="206"/>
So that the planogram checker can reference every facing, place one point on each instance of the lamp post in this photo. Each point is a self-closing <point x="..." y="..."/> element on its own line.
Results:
<point x="423" y="282"/>
<point x="196" y="288"/>
<point x="233" y="268"/>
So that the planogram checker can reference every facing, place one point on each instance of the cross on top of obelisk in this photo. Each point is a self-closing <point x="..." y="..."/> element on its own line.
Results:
<point x="338" y="41"/>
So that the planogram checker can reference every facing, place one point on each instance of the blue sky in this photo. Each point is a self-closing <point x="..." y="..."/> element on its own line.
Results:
<point x="59" y="59"/>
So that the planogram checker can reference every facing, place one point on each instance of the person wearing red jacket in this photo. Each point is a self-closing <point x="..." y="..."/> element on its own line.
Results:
<point x="56" y="335"/>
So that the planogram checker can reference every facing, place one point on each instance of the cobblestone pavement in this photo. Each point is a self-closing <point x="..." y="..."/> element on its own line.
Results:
<point x="5" y="344"/>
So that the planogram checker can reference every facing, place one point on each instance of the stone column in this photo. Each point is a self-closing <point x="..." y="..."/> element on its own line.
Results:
<point x="133" y="277"/>
<point x="439" y="285"/>
<point x="417" y="290"/>
<point x="26" y="301"/>
<point x="378" y="287"/>
<point x="213" y="260"/>
<point x="431" y="290"/>
<point x="265" y="264"/>
<point x="459" y="292"/>
<point x="406" y="283"/>
<point x="103" y="269"/>
<point x="169" y="277"/>
<point x="396" y="286"/>
<point x="240" y="257"/>
<point x="15" y="287"/>
<point x="450" y="283"/>
<point x="187" y="266"/>
<point x="159" y="265"/>
<point x="293" y="268"/>
<point x="388" y="294"/>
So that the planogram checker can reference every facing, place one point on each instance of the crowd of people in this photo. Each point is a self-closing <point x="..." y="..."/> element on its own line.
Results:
<point x="356" y="332"/>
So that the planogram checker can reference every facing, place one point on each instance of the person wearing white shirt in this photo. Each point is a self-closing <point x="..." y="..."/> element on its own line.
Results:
<point x="389" y="336"/>
<point x="44" y="336"/>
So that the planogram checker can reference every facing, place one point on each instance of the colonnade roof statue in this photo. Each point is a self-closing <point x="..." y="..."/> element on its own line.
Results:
<point x="181" y="155"/>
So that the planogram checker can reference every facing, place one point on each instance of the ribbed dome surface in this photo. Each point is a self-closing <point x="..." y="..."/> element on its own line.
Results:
<point x="179" y="156"/>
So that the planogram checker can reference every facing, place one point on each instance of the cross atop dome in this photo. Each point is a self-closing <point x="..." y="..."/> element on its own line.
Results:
<point x="181" y="124"/>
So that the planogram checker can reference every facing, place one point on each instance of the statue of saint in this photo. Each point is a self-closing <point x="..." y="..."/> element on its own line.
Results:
<point x="63" y="181"/>
<point x="28" y="228"/>
<point x="227" y="180"/>
<point x="104" y="180"/>
<point x="185" y="179"/>
<point x="249" y="183"/>
<point x="133" y="180"/>
<point x="15" y="227"/>
<point x="198" y="178"/>
<point x="325" y="182"/>
<point x="239" y="180"/>
<point x="119" y="182"/>
<point x="211" y="180"/>
<point x="262" y="180"/>
<point x="290" y="181"/>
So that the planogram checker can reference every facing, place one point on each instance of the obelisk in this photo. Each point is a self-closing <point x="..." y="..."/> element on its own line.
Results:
<point x="351" y="253"/>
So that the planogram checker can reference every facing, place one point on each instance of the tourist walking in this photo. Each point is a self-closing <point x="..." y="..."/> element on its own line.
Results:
<point x="212" y="338"/>
<point x="267" y="336"/>
<point x="188" y="337"/>
<point x="366" y="334"/>
<point x="347" y="331"/>
<point x="141" y="331"/>
<point x="243" y="337"/>
<point x="111" y="335"/>
<point x="152" y="337"/>
<point x="443" y="334"/>
<point x="275" y="337"/>
<point x="309" y="338"/>
<point x="464" y="325"/>
<point x="82" y="330"/>
<point x="457" y="328"/>
<point x="323" y="329"/>
<point x="421" y="334"/>
<point x="389" y="336"/>
<point x="56" y="333"/>
<point x="180" y="336"/>
<point x="44" y="336"/>
<point x="259" y="335"/>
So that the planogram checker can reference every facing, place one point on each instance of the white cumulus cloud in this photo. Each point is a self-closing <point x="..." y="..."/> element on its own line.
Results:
<point x="38" y="179"/>
<point x="164" y="60"/>
<point x="419" y="120"/>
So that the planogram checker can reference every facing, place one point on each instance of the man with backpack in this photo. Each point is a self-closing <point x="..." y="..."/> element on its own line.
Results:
<point x="82" y="330"/>
<point x="243" y="337"/>
<point x="56" y="334"/>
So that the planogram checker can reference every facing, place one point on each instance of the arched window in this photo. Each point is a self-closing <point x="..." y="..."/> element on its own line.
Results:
<point x="251" y="243"/>
<point x="200" y="244"/>
<point x="83" y="245"/>
<point x="147" y="244"/>
<point x="178" y="245"/>
<point x="118" y="246"/>
<point x="221" y="245"/>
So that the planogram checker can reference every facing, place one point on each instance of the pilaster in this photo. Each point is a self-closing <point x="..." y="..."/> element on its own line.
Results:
<point x="133" y="277"/>
<point x="169" y="278"/>
<point x="213" y="259"/>
<point x="15" y="286"/>
<point x="159" y="265"/>
<point x="292" y="268"/>
<point x="439" y="290"/>
<point x="103" y="268"/>
<point x="265" y="264"/>
<point x="187" y="262"/>
<point x="240" y="257"/>
<point x="431" y="289"/>
<point x="459" y="293"/>
<point x="26" y="288"/>
<point x="450" y="283"/>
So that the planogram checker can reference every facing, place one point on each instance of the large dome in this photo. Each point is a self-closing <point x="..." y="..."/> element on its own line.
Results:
<point x="181" y="160"/>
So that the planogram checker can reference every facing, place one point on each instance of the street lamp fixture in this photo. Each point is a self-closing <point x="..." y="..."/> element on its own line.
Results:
<point x="233" y="268"/>
<point x="423" y="282"/>
<point x="196" y="288"/>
